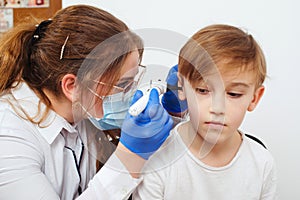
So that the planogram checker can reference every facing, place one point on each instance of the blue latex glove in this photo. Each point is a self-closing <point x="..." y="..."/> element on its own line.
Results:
<point x="170" y="100"/>
<point x="145" y="133"/>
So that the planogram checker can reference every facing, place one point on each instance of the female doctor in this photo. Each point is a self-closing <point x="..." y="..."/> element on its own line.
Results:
<point x="62" y="82"/>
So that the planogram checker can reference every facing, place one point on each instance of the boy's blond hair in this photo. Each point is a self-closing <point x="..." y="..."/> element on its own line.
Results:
<point x="216" y="43"/>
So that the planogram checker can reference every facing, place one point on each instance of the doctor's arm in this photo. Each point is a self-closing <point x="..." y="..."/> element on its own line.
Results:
<point x="140" y="137"/>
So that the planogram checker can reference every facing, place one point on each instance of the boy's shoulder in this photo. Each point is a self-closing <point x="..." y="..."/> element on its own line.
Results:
<point x="255" y="148"/>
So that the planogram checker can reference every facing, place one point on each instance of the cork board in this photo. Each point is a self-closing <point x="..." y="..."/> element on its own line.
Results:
<point x="21" y="14"/>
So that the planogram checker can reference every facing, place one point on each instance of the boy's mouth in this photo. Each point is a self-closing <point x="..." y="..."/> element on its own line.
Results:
<point x="215" y="123"/>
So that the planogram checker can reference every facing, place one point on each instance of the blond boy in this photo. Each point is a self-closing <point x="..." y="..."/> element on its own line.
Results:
<point x="221" y="74"/>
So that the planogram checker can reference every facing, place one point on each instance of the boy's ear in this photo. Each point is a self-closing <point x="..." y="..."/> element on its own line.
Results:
<point x="68" y="85"/>
<point x="181" y="93"/>
<point x="256" y="98"/>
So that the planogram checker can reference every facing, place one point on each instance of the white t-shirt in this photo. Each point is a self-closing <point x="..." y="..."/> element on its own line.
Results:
<point x="175" y="173"/>
<point x="35" y="163"/>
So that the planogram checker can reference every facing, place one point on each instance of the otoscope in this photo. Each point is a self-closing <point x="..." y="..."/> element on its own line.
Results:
<point x="141" y="104"/>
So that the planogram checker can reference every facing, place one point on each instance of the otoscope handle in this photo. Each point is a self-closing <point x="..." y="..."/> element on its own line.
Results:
<point x="141" y="104"/>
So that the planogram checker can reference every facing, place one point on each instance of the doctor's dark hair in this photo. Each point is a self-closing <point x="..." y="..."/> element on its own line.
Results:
<point x="41" y="55"/>
<point x="221" y="43"/>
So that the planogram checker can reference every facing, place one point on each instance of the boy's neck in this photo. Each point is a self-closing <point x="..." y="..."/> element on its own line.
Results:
<point x="217" y="155"/>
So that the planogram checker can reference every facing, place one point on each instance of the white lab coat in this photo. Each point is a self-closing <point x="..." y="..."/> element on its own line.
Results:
<point x="35" y="164"/>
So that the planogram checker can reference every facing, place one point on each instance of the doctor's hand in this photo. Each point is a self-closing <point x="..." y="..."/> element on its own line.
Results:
<point x="170" y="100"/>
<point x="145" y="133"/>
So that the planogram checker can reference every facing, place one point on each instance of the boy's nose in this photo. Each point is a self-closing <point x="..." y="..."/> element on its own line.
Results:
<point x="218" y="104"/>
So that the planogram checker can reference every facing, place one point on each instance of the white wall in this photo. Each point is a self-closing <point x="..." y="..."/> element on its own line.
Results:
<point x="275" y="26"/>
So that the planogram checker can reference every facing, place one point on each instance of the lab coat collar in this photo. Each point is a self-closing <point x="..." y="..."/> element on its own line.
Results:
<point x="52" y="126"/>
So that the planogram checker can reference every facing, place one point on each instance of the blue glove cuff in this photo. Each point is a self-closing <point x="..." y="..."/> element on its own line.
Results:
<point x="146" y="151"/>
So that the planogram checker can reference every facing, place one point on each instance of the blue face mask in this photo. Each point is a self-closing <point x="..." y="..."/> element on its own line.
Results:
<point x="115" y="108"/>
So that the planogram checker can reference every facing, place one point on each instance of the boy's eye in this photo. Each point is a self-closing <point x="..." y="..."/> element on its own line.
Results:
<point x="202" y="90"/>
<point x="234" y="95"/>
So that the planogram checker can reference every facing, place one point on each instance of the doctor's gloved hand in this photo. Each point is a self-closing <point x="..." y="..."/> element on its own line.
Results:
<point x="170" y="100"/>
<point x="145" y="133"/>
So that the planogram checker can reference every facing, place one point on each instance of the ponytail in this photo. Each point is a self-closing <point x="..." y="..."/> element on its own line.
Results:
<point x="14" y="50"/>
<point x="41" y="56"/>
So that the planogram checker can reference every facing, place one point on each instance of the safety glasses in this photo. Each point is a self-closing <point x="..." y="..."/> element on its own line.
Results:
<point x="123" y="87"/>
